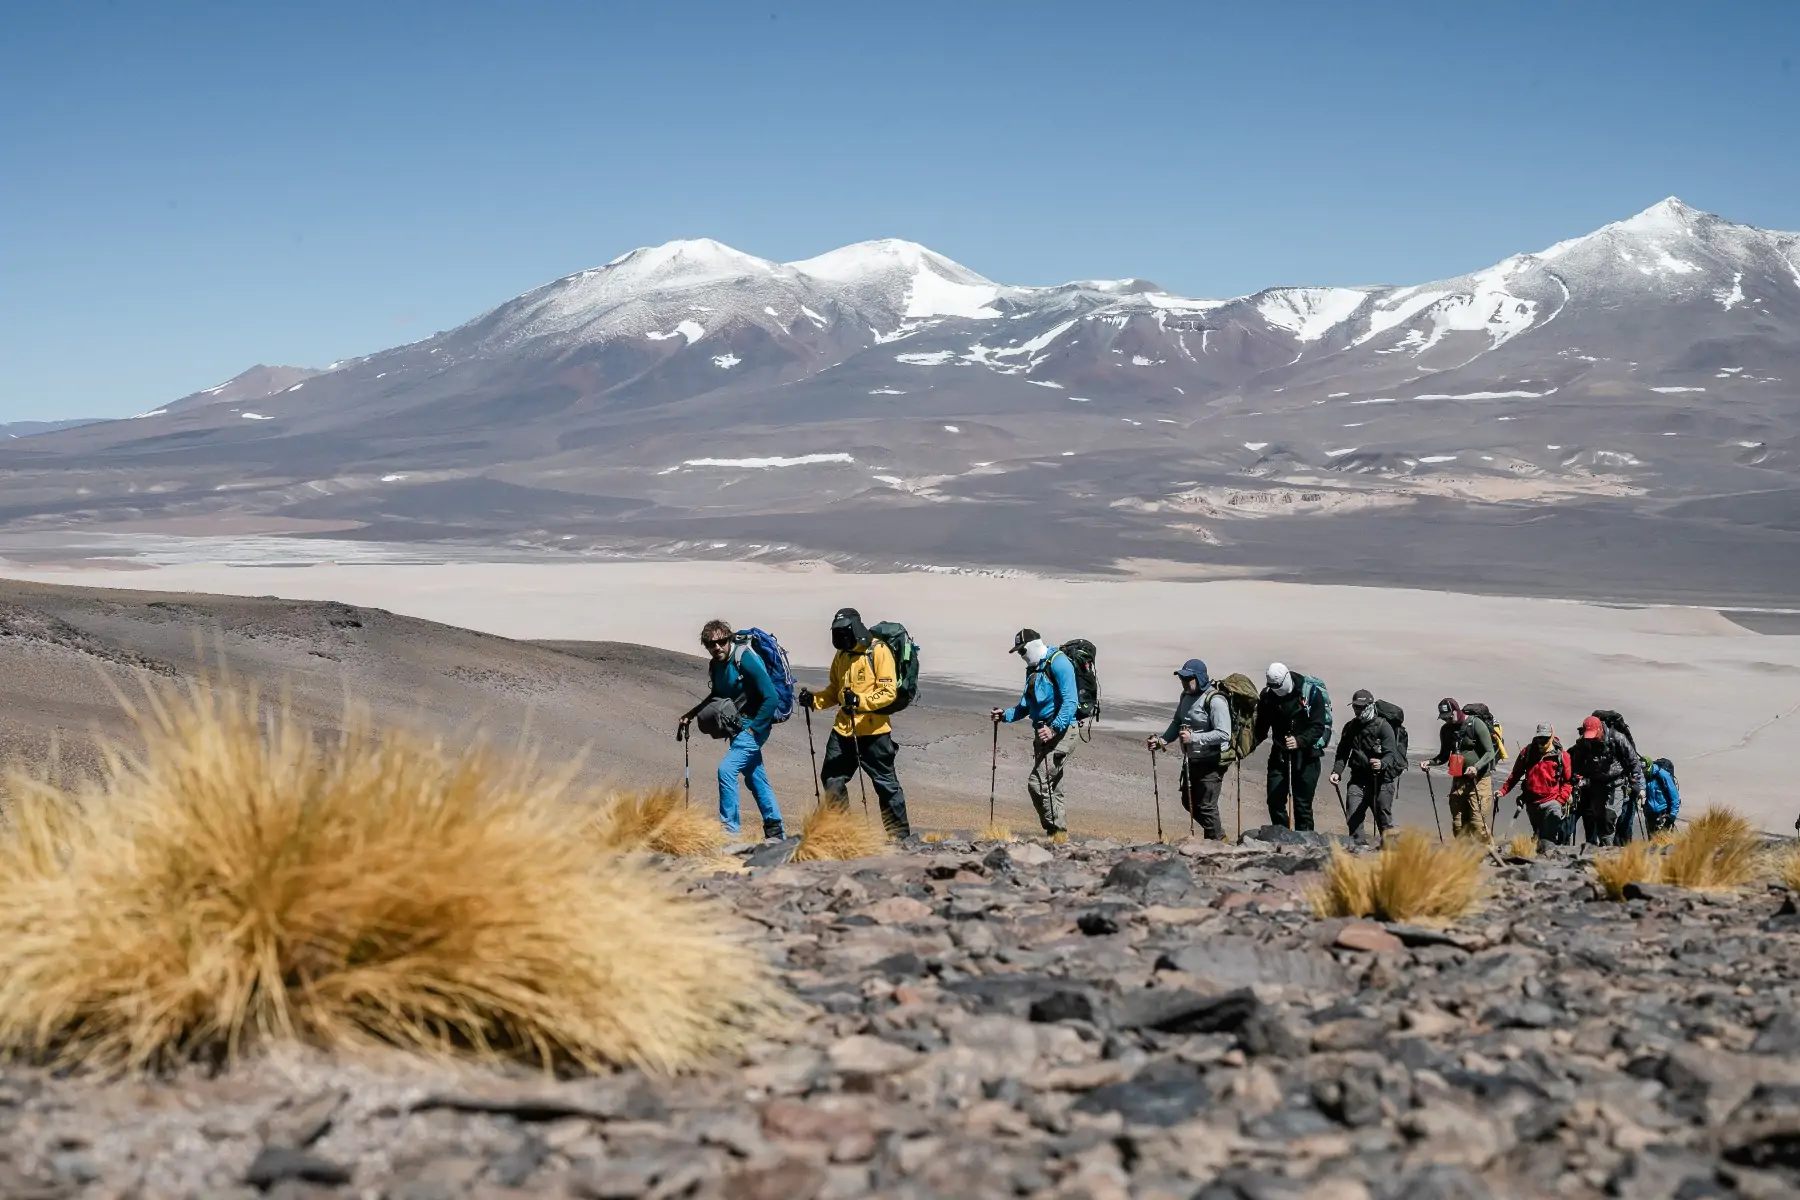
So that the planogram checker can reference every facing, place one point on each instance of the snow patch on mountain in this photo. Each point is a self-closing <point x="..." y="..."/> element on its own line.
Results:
<point x="1309" y="313"/>
<point x="693" y="331"/>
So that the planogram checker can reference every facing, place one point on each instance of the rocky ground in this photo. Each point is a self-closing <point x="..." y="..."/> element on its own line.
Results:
<point x="1084" y="1020"/>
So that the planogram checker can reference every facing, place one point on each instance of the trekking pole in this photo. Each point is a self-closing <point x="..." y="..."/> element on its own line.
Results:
<point x="1240" y="799"/>
<point x="1437" y="820"/>
<point x="812" y="756"/>
<point x="1345" y="805"/>
<point x="1187" y="791"/>
<point x="994" y="774"/>
<point x="1290" y="783"/>
<point x="687" y="789"/>
<point x="856" y="749"/>
<point x="1156" y="791"/>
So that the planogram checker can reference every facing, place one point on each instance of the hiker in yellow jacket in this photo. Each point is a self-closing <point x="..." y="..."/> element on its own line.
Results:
<point x="864" y="681"/>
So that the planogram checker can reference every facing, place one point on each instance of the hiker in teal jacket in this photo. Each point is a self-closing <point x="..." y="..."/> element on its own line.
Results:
<point x="1049" y="703"/>
<point x="738" y="676"/>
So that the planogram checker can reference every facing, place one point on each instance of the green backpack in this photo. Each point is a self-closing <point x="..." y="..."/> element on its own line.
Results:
<point x="893" y="635"/>
<point x="1241" y="696"/>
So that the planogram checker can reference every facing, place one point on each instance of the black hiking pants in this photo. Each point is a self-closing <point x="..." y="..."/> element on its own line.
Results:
<point x="1603" y="809"/>
<point x="1201" y="782"/>
<point x="875" y="754"/>
<point x="1366" y="792"/>
<point x="1305" y="780"/>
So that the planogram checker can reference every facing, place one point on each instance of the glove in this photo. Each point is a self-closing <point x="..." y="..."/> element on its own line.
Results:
<point x="851" y="702"/>
<point x="805" y="697"/>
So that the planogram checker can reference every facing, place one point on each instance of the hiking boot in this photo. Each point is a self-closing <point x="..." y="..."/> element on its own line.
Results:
<point x="773" y="831"/>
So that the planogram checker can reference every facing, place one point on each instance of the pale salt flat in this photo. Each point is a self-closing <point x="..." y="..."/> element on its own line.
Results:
<point x="1695" y="687"/>
<point x="1676" y="391"/>
<point x="801" y="460"/>
<point x="256" y="417"/>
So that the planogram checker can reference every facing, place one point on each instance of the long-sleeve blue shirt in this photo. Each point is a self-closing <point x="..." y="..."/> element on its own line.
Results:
<point x="1050" y="696"/>
<point x="744" y="678"/>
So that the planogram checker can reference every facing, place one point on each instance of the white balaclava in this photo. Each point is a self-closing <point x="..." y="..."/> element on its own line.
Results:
<point x="1035" y="651"/>
<point x="1281" y="680"/>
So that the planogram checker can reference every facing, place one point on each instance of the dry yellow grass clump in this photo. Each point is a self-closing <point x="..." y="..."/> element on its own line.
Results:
<point x="1786" y="865"/>
<point x="1717" y="850"/>
<point x="995" y="832"/>
<point x="658" y="820"/>
<point x="1636" y="862"/>
<point x="243" y="881"/>
<point x="933" y="838"/>
<point x="1410" y="879"/>
<point x="1523" y="845"/>
<point x="833" y="832"/>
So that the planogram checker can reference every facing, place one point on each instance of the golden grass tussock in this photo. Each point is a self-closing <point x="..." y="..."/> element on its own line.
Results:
<point x="994" y="832"/>
<point x="1785" y="865"/>
<point x="1718" y="850"/>
<point x="1635" y="862"/>
<point x="242" y="881"/>
<point x="658" y="820"/>
<point x="1410" y="879"/>
<point x="1523" y="845"/>
<point x="833" y="832"/>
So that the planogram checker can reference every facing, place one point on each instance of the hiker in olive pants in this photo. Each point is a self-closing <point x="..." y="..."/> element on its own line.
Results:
<point x="1049" y="702"/>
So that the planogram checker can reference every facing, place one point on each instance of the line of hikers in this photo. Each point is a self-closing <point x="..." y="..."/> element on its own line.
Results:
<point x="874" y="675"/>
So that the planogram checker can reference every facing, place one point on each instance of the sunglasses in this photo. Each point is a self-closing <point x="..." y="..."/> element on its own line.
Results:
<point x="715" y="643"/>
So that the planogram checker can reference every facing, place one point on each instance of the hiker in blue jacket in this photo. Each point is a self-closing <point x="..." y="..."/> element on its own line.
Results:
<point x="747" y="697"/>
<point x="1049" y="703"/>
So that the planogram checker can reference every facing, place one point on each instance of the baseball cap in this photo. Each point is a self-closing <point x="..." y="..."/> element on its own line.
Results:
<point x="1363" y="697"/>
<point x="1023" y="638"/>
<point x="1591" y="727"/>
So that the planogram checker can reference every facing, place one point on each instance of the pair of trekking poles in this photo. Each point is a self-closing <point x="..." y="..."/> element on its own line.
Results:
<point x="1187" y="785"/>
<point x="687" y="786"/>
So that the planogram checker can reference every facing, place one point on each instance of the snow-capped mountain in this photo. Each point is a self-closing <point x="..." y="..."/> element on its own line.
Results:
<point x="1658" y="356"/>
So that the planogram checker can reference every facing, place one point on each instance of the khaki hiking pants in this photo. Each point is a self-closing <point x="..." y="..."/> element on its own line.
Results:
<point x="1470" y="800"/>
<point x="1045" y="784"/>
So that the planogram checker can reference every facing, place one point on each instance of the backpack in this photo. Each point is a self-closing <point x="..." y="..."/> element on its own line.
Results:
<point x="893" y="635"/>
<point x="1087" y="680"/>
<point x="1662" y="794"/>
<point x="776" y="660"/>
<point x="1395" y="716"/>
<point x="1486" y="716"/>
<point x="1241" y="696"/>
<point x="1551" y="776"/>
<point x="1616" y="722"/>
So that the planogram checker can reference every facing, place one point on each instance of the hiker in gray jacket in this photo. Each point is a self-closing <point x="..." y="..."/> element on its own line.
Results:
<point x="1202" y="723"/>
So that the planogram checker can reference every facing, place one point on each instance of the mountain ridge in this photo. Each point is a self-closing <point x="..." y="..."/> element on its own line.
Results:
<point x="694" y="393"/>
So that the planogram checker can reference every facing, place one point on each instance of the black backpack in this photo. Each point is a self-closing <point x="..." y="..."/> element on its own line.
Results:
<point x="1394" y="715"/>
<point x="1485" y="715"/>
<point x="1087" y="680"/>
<point x="1616" y="722"/>
<point x="893" y="635"/>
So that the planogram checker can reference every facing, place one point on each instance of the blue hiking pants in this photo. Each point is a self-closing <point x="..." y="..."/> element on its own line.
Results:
<point x="744" y="757"/>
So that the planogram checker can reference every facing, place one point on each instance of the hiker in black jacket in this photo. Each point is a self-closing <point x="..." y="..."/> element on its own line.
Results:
<point x="1202" y="724"/>
<point x="1609" y="777"/>
<point x="1294" y="710"/>
<point x="1370" y="750"/>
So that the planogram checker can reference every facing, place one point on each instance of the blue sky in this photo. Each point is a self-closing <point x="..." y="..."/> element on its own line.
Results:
<point x="190" y="188"/>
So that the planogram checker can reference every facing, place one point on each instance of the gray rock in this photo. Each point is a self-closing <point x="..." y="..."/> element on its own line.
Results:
<point x="1154" y="880"/>
<point x="773" y="854"/>
<point x="1232" y="962"/>
<point x="1177" y="1010"/>
<point x="273" y="1164"/>
<point x="1163" y="1093"/>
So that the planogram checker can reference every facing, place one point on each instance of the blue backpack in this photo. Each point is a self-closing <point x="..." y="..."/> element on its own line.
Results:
<point x="1662" y="795"/>
<point x="774" y="658"/>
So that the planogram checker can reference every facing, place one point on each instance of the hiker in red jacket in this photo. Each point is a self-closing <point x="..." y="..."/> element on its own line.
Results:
<point x="1546" y="781"/>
